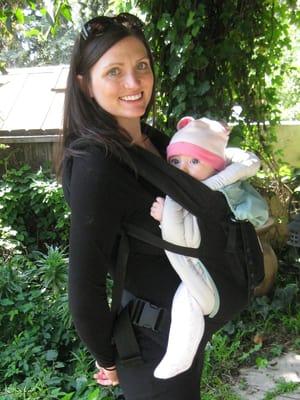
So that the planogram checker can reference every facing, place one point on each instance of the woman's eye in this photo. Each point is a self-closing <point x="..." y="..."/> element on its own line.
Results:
<point x="195" y="161"/>
<point x="141" y="66"/>
<point x="114" y="72"/>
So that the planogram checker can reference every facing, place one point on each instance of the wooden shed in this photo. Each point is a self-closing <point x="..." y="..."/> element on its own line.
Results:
<point x="31" y="107"/>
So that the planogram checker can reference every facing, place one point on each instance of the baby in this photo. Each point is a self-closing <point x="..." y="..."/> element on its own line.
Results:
<point x="198" y="148"/>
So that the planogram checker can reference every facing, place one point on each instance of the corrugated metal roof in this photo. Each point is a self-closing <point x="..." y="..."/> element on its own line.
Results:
<point x="32" y="98"/>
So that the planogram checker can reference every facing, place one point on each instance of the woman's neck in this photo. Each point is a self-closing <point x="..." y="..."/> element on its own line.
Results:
<point x="133" y="127"/>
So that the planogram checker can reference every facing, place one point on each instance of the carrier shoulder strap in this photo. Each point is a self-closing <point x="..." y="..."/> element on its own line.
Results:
<point x="149" y="238"/>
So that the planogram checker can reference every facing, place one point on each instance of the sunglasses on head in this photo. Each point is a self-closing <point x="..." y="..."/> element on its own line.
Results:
<point x="98" y="25"/>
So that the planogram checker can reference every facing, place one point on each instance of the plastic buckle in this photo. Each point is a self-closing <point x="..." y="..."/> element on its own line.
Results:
<point x="146" y="315"/>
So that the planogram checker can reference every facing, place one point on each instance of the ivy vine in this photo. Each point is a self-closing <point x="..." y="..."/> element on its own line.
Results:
<point x="213" y="55"/>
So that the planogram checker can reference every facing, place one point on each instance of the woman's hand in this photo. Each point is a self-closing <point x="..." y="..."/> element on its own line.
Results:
<point x="106" y="377"/>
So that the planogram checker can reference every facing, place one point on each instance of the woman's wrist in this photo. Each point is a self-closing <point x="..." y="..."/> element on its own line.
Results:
<point x="111" y="368"/>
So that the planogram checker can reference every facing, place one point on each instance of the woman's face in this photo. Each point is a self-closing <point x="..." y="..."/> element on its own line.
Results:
<point x="122" y="80"/>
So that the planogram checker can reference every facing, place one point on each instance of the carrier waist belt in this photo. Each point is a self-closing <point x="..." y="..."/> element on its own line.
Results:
<point x="140" y="313"/>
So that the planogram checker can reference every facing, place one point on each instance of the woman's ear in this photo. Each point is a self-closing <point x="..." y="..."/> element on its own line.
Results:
<point x="84" y="86"/>
<point x="79" y="79"/>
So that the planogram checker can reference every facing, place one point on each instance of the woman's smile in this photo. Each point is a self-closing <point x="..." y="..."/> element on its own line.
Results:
<point x="130" y="98"/>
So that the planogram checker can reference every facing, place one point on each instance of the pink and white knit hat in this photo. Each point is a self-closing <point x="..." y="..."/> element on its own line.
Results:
<point x="202" y="138"/>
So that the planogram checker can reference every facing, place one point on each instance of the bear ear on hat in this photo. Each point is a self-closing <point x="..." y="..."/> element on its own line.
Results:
<point x="184" y="121"/>
<point x="225" y="125"/>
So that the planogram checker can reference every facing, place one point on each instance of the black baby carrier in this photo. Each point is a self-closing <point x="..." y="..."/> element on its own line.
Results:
<point x="222" y="238"/>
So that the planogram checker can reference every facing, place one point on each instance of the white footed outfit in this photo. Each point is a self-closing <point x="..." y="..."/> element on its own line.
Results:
<point x="197" y="295"/>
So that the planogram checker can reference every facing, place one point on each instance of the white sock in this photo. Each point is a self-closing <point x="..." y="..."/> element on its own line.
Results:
<point x="186" y="331"/>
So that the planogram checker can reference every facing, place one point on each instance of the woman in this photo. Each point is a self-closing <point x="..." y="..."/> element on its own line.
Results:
<point x="112" y="172"/>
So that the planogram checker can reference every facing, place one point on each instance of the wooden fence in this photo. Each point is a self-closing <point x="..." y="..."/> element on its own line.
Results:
<point x="35" y="148"/>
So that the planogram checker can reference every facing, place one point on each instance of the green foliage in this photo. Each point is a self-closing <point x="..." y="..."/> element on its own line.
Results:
<point x="282" y="387"/>
<point x="33" y="211"/>
<point x="51" y="268"/>
<point x="213" y="55"/>
<point x="280" y="187"/>
<point x="46" y="24"/>
<point x="289" y="94"/>
<point x="41" y="356"/>
<point x="15" y="14"/>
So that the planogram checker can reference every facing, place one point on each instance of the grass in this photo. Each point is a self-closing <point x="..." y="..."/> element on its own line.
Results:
<point x="282" y="387"/>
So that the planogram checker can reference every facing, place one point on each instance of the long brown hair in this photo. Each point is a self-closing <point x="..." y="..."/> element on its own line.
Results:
<point x="84" y="121"/>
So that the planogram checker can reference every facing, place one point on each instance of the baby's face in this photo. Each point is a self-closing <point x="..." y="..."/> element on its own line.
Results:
<point x="192" y="166"/>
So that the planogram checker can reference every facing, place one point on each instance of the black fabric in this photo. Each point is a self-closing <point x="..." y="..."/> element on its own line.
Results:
<point x="254" y="256"/>
<point x="120" y="274"/>
<point x="147" y="237"/>
<point x="125" y="339"/>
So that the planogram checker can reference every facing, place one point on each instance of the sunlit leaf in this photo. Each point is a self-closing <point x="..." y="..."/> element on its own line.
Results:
<point x="66" y="12"/>
<point x="19" y="15"/>
<point x="94" y="394"/>
<point x="32" y="32"/>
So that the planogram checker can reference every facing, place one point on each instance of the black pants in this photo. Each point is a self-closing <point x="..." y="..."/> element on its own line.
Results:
<point x="138" y="382"/>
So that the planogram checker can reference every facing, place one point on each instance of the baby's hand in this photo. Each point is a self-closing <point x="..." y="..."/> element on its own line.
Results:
<point x="157" y="209"/>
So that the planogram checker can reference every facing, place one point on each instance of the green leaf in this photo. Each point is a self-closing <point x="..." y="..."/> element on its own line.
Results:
<point x="195" y="30"/>
<point x="43" y="11"/>
<point x="190" y="19"/>
<point x="32" y="32"/>
<point x="66" y="12"/>
<point x="261" y="362"/>
<point x="203" y="88"/>
<point x="81" y="382"/>
<point x="32" y="4"/>
<point x="6" y="302"/>
<point x="51" y="355"/>
<point x="94" y="394"/>
<point x="19" y="15"/>
<point x="68" y="396"/>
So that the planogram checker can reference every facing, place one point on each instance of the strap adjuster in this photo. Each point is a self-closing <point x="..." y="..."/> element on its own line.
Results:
<point x="146" y="315"/>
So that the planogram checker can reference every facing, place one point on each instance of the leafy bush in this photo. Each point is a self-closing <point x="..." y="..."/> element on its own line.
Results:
<point x="33" y="211"/>
<point x="41" y="355"/>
